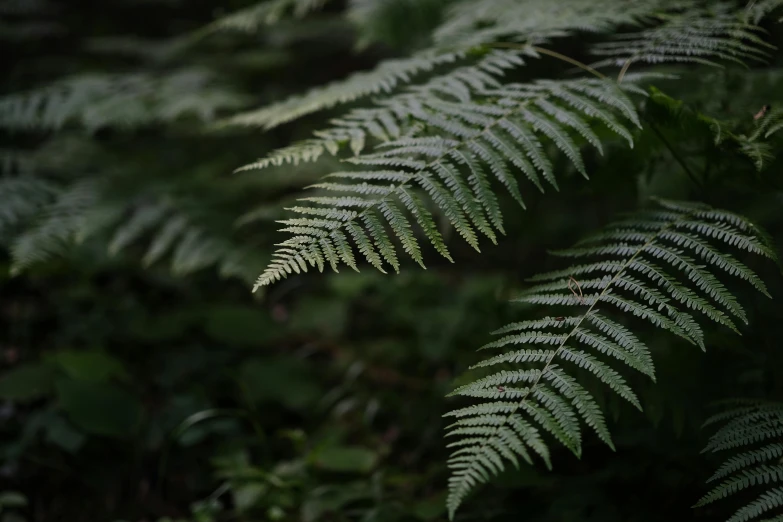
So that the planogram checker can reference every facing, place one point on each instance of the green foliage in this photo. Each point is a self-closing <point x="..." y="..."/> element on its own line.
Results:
<point x="416" y="127"/>
<point x="505" y="134"/>
<point x="650" y="266"/>
<point x="753" y="429"/>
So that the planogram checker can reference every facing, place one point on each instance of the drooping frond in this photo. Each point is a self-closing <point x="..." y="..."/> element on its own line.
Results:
<point x="470" y="143"/>
<point x="754" y="433"/>
<point x="757" y="10"/>
<point x="268" y="12"/>
<point x="40" y="220"/>
<point x="54" y="229"/>
<point x="391" y="118"/>
<point x="21" y="198"/>
<point x="536" y="21"/>
<point x="769" y="121"/>
<point x="387" y="76"/>
<point x="704" y="36"/>
<point x="658" y="267"/>
<point x="98" y="100"/>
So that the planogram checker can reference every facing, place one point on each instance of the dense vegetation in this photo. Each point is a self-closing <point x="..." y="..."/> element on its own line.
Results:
<point x="611" y="167"/>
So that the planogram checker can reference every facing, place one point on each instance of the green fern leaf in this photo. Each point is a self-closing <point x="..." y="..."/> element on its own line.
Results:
<point x="507" y="128"/>
<point x="641" y="276"/>
<point x="755" y="427"/>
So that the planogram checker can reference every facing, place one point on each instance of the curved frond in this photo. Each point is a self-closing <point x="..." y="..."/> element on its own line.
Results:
<point x="123" y="100"/>
<point x="475" y="144"/>
<point x="391" y="118"/>
<point x="754" y="432"/>
<point x="268" y="12"/>
<point x="387" y="76"/>
<point x="657" y="267"/>
<point x="535" y="21"/>
<point x="704" y="36"/>
<point x="757" y="10"/>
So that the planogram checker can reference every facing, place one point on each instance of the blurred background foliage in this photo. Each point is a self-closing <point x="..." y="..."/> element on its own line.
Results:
<point x="142" y="381"/>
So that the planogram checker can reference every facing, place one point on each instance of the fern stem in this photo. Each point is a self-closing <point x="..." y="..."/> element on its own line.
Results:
<point x="568" y="59"/>
<point x="554" y="355"/>
<point x="553" y="54"/>
<point x="679" y="159"/>
<point x="624" y="70"/>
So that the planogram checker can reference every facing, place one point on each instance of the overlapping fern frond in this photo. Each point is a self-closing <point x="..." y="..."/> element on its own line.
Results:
<point x="268" y="12"/>
<point x="537" y="21"/>
<point x="40" y="220"/>
<point x="392" y="117"/>
<point x="757" y="10"/>
<point x="100" y="100"/>
<point x="469" y="143"/>
<point x="533" y="22"/>
<point x="704" y="36"/>
<point x="387" y="76"/>
<point x="752" y="136"/>
<point x="658" y="267"/>
<point x="754" y="429"/>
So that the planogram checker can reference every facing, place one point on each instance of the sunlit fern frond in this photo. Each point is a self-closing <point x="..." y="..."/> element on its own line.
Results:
<point x="758" y="10"/>
<point x="125" y="100"/>
<point x="268" y="12"/>
<point x="384" y="78"/>
<point x="754" y="433"/>
<point x="469" y="143"/>
<point x="537" y="21"/>
<point x="704" y="36"/>
<point x="391" y="117"/>
<point x="658" y="267"/>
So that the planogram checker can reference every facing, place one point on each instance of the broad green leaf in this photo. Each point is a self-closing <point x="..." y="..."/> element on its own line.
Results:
<point x="84" y="365"/>
<point x="99" y="408"/>
<point x="26" y="382"/>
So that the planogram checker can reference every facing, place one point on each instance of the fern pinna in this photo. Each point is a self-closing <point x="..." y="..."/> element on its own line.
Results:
<point x="755" y="429"/>
<point x="657" y="266"/>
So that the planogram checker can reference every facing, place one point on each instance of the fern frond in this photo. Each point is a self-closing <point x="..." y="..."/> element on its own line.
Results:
<point x="656" y="267"/>
<point x="703" y="36"/>
<point x="386" y="77"/>
<point x="474" y="142"/>
<point x="96" y="100"/>
<point x="536" y="21"/>
<point x="21" y="198"/>
<point x="755" y="430"/>
<point x="269" y="12"/>
<point x="757" y="10"/>
<point x="768" y="124"/>
<point x="391" y="118"/>
<point x="54" y="231"/>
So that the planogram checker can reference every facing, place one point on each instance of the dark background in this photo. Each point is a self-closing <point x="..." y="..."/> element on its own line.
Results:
<point x="135" y="391"/>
